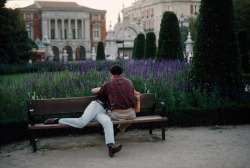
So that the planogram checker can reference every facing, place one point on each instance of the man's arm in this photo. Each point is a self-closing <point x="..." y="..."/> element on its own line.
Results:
<point x="96" y="90"/>
<point x="138" y="104"/>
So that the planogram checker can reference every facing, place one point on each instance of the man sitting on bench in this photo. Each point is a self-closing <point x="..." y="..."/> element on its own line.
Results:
<point x="120" y="92"/>
<point x="96" y="110"/>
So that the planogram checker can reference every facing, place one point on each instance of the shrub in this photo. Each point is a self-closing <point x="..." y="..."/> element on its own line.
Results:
<point x="100" y="51"/>
<point x="244" y="47"/>
<point x="216" y="60"/>
<point x="150" y="45"/>
<point x="169" y="43"/>
<point x="140" y="44"/>
<point x="134" y="48"/>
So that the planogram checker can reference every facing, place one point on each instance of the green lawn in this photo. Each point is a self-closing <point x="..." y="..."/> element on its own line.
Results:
<point x="18" y="78"/>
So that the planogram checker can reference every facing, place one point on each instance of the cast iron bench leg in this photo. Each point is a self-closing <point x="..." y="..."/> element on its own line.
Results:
<point x="150" y="128"/>
<point x="33" y="137"/>
<point x="163" y="130"/>
<point x="30" y="137"/>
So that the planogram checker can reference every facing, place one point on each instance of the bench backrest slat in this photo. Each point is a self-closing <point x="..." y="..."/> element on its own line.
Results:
<point x="73" y="105"/>
<point x="147" y="100"/>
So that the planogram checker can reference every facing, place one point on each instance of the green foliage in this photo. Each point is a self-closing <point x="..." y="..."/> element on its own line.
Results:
<point x="134" y="48"/>
<point x="140" y="45"/>
<point x="100" y="51"/>
<point x="241" y="13"/>
<point x="186" y="105"/>
<point x="150" y="45"/>
<point x="45" y="66"/>
<point x="184" y="34"/>
<point x="243" y="38"/>
<point x="169" y="43"/>
<point x="216" y="60"/>
<point x="15" y="45"/>
<point x="192" y="26"/>
<point x="2" y="3"/>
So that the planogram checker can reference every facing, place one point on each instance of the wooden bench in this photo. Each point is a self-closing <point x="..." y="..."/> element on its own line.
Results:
<point x="77" y="105"/>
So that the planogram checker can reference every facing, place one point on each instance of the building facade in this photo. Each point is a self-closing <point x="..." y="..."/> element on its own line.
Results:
<point x="150" y="12"/>
<point x="120" y="41"/>
<point x="68" y="26"/>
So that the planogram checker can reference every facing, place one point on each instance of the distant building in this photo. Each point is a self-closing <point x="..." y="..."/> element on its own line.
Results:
<point x="69" y="26"/>
<point x="120" y="41"/>
<point x="149" y="12"/>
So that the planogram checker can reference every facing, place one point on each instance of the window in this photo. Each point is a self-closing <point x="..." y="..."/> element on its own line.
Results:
<point x="52" y="33"/>
<point x="28" y="16"/>
<point x="96" y="17"/>
<point x="65" y="33"/>
<point x="147" y="13"/>
<point x="74" y="33"/>
<point x="195" y="10"/>
<point x="152" y="12"/>
<point x="96" y="33"/>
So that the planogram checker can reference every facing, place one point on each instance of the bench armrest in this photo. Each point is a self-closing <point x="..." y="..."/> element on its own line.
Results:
<point x="163" y="105"/>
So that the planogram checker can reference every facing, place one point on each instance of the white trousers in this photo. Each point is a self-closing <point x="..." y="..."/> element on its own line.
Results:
<point x="94" y="112"/>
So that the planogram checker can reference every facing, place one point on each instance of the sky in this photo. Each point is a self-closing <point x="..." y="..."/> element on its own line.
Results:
<point x="113" y="7"/>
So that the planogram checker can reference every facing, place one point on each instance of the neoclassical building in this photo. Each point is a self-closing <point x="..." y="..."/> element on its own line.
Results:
<point x="69" y="26"/>
<point x="149" y="12"/>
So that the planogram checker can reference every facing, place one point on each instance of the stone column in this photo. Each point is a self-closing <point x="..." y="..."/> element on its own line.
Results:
<point x="87" y="30"/>
<point x="44" y="27"/>
<point x="63" y="29"/>
<point x="56" y="29"/>
<point x="49" y="28"/>
<point x="82" y="29"/>
<point x="69" y="29"/>
<point x="76" y="29"/>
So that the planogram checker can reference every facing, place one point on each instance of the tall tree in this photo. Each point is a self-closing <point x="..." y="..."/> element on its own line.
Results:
<point x="140" y="45"/>
<point x="150" y="45"/>
<point x="244" y="47"/>
<point x="134" y="48"/>
<point x="169" y="43"/>
<point x="16" y="46"/>
<point x="100" y="51"/>
<point x="216" y="60"/>
<point x="242" y="16"/>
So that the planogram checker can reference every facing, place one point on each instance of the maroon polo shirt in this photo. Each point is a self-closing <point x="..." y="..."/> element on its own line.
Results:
<point x="120" y="92"/>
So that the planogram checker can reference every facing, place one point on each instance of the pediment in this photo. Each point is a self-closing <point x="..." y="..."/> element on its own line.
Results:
<point x="126" y="33"/>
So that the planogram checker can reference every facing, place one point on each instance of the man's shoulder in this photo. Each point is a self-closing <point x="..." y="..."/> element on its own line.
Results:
<point x="128" y="80"/>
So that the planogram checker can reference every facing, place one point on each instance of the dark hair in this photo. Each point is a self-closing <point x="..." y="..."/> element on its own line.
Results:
<point x="116" y="70"/>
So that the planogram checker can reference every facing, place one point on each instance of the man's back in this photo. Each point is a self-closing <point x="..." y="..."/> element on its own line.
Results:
<point x="120" y="92"/>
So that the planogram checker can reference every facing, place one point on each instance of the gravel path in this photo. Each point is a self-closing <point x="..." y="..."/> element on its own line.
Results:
<point x="193" y="147"/>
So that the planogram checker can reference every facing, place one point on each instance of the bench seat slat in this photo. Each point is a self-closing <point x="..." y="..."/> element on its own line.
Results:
<point x="141" y="119"/>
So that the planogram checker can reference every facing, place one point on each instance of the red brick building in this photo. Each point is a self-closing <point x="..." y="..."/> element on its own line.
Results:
<point x="69" y="26"/>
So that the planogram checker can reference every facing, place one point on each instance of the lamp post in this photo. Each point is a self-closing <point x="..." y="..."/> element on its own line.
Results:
<point x="121" y="41"/>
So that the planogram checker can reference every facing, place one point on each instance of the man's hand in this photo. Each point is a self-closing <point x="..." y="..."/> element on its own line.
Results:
<point x="137" y="95"/>
<point x="96" y="90"/>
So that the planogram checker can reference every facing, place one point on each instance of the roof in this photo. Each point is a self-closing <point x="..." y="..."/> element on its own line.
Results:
<point x="39" y="43"/>
<point x="57" y="4"/>
<point x="50" y="5"/>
